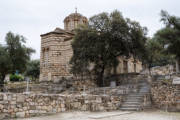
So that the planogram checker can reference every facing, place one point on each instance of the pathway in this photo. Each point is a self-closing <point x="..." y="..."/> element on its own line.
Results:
<point x="116" y="115"/>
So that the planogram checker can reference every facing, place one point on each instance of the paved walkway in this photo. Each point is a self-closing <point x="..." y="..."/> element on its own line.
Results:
<point x="117" y="115"/>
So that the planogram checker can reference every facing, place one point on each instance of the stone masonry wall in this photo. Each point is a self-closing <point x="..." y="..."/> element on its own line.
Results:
<point x="55" y="56"/>
<point x="28" y="105"/>
<point x="166" y="96"/>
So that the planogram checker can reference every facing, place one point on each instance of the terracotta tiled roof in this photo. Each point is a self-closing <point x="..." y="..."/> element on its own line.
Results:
<point x="59" y="31"/>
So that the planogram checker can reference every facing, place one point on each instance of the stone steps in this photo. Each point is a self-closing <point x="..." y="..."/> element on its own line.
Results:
<point x="131" y="103"/>
<point x="134" y="97"/>
<point x="134" y="101"/>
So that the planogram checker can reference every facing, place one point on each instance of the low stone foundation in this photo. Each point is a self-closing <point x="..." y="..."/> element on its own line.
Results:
<point x="28" y="105"/>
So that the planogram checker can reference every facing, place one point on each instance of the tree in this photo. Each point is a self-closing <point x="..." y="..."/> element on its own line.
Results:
<point x="138" y="39"/>
<point x="153" y="52"/>
<point x="5" y="63"/>
<point x="170" y="35"/>
<point x="18" y="53"/>
<point x="100" y="43"/>
<point x="33" y="69"/>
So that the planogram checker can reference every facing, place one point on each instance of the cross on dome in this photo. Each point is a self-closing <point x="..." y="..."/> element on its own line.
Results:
<point x="75" y="9"/>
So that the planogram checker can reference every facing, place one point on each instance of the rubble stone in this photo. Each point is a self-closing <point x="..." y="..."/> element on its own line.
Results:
<point x="37" y="104"/>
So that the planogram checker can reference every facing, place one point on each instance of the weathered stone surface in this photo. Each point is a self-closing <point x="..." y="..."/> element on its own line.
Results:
<point x="166" y="96"/>
<point x="20" y="98"/>
<point x="5" y="97"/>
<point x="32" y="107"/>
<point x="162" y="70"/>
<point x="36" y="104"/>
<point x="20" y="114"/>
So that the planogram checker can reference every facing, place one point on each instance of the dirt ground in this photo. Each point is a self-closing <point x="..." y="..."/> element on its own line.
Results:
<point x="116" y="115"/>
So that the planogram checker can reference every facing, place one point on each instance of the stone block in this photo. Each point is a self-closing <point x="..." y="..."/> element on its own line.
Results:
<point x="32" y="107"/>
<point x="10" y="110"/>
<point x="5" y="97"/>
<point x="62" y="105"/>
<point x="76" y="104"/>
<point x="20" y="114"/>
<point x="20" y="98"/>
<point x="13" y="115"/>
<point x="84" y="107"/>
<point x="20" y="109"/>
<point x="31" y="103"/>
<point x="54" y="110"/>
<point x="101" y="108"/>
<point x="1" y="97"/>
<point x="38" y="107"/>
<point x="42" y="111"/>
<point x="44" y="107"/>
<point x="86" y="101"/>
<point x="58" y="109"/>
<point x="19" y="105"/>
<point x="49" y="108"/>
<point x="63" y="109"/>
<point x="13" y="102"/>
<point x="33" y="111"/>
<point x="1" y="106"/>
<point x="5" y="111"/>
<point x="98" y="100"/>
<point x="56" y="80"/>
<point x="25" y="108"/>
<point x="27" y="114"/>
<point x="16" y="109"/>
<point x="9" y="97"/>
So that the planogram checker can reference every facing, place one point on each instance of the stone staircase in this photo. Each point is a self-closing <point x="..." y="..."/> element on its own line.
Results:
<point x="139" y="99"/>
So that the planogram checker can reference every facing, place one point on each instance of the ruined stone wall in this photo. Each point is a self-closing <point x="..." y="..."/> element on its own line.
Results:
<point x="28" y="105"/>
<point x="55" y="56"/>
<point x="163" y="70"/>
<point x="166" y="96"/>
<point x="127" y="66"/>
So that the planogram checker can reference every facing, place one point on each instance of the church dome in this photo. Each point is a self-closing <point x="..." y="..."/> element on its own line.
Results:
<point x="73" y="20"/>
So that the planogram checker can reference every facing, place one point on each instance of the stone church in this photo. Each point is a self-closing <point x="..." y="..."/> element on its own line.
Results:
<point x="56" y="51"/>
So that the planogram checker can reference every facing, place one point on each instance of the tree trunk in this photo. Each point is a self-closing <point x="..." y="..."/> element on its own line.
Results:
<point x="134" y="66"/>
<point x="100" y="80"/>
<point x="177" y="65"/>
<point x="2" y="83"/>
<point x="149" y="68"/>
<point x="3" y="77"/>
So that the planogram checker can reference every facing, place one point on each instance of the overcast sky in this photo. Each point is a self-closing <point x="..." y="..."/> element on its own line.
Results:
<point x="31" y="18"/>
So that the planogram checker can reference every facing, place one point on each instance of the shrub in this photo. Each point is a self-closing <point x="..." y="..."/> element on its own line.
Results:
<point x="15" y="78"/>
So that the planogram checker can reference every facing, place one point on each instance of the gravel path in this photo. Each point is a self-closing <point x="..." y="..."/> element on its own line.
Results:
<point x="117" y="115"/>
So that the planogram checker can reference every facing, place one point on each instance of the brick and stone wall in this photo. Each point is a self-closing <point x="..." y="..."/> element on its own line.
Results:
<point x="28" y="105"/>
<point x="56" y="52"/>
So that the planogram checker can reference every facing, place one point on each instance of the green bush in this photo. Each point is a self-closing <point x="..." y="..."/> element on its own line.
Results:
<point x="15" y="78"/>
